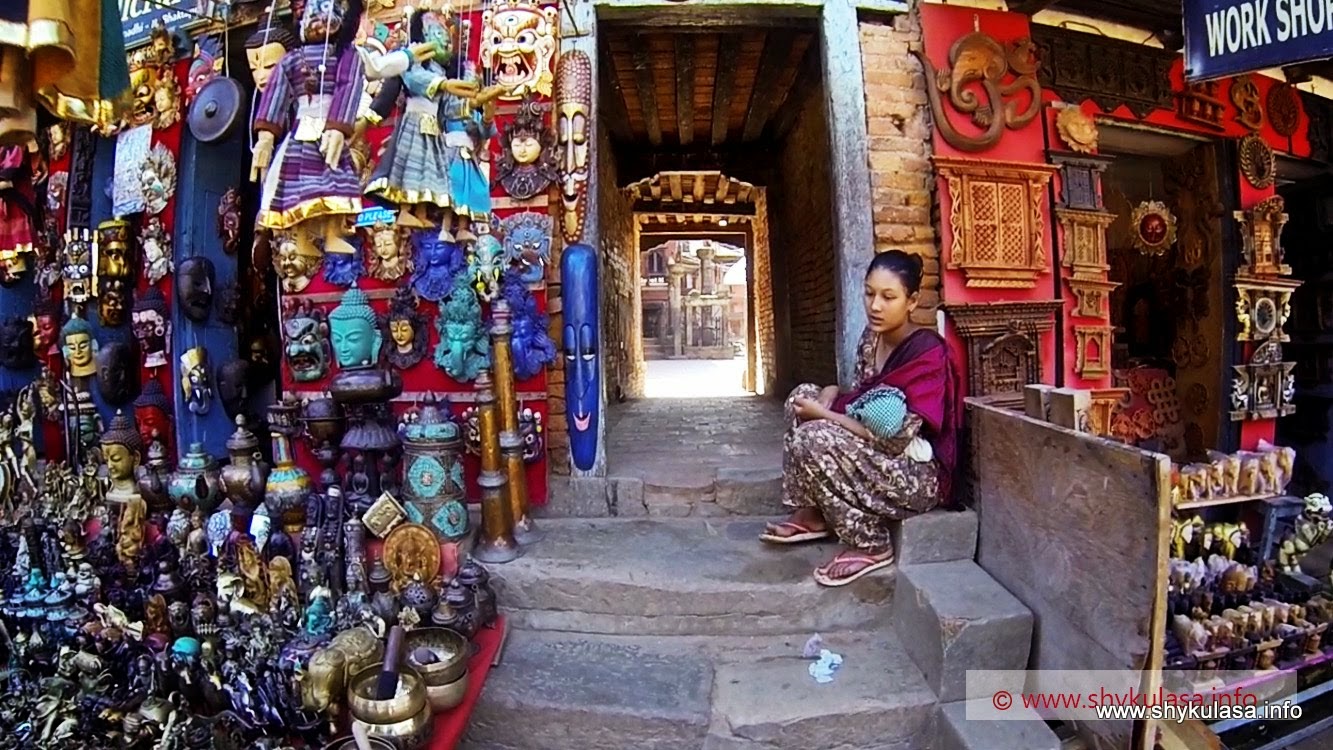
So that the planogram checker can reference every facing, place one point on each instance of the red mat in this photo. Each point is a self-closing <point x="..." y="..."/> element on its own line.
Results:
<point x="451" y="725"/>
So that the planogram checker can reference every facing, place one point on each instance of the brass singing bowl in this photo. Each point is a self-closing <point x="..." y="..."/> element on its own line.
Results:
<point x="450" y="647"/>
<point x="411" y="733"/>
<point x="445" y="697"/>
<point x="406" y="703"/>
<point x="349" y="743"/>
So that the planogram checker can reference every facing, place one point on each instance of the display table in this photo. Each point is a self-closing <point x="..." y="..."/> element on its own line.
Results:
<point x="451" y="725"/>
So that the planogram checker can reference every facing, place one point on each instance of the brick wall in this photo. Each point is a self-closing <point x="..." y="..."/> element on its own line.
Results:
<point x="621" y="313"/>
<point x="762" y="273"/>
<point x="898" y="125"/>
<point x="802" y="249"/>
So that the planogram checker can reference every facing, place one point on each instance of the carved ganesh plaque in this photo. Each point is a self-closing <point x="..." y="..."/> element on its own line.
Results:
<point x="996" y="221"/>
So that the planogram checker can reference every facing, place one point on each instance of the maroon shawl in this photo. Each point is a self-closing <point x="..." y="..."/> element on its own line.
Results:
<point x="921" y="368"/>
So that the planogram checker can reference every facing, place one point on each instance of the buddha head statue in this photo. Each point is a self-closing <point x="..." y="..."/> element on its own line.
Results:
<point x="152" y="327"/>
<point x="528" y="162"/>
<point x="388" y="261"/>
<point x="153" y="412"/>
<point x="306" y="346"/>
<point x="265" y="47"/>
<point x="117" y="373"/>
<point x="17" y="344"/>
<point x="196" y="380"/>
<point x="406" y="343"/>
<point x="356" y="332"/>
<point x="46" y="327"/>
<point x="78" y="347"/>
<point x="194" y="287"/>
<point x="122" y="448"/>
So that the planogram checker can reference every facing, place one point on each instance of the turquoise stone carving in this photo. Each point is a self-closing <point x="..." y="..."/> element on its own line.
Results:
<point x="465" y="346"/>
<point x="356" y="332"/>
<point x="433" y="470"/>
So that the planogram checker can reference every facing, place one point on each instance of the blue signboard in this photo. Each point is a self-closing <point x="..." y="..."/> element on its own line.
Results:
<point x="1229" y="37"/>
<point x="137" y="17"/>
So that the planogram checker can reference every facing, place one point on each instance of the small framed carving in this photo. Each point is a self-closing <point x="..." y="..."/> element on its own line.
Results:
<point x="996" y="221"/>
<point x="1201" y="103"/>
<point x="1261" y="230"/>
<point x="1003" y="343"/>
<point x="1249" y="107"/>
<point x="1263" y="308"/>
<point x="1266" y="387"/>
<point x="1081" y="180"/>
<point x="1084" y="245"/>
<point x="1106" y="402"/>
<point x="1154" y="228"/>
<point x="1284" y="109"/>
<point x="1094" y="351"/>
<point x="1256" y="161"/>
<point x="1077" y="129"/>
<point x="1090" y="296"/>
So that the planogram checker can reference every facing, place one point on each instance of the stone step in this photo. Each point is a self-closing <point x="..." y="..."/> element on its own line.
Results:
<point x="559" y="691"/>
<point x="954" y="617"/>
<point x="1025" y="731"/>
<point x="694" y="576"/>
<point x="669" y="492"/>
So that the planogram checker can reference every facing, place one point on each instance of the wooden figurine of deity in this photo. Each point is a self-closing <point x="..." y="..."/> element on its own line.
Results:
<point x="388" y="258"/>
<point x="405" y="344"/>
<point x="311" y="100"/>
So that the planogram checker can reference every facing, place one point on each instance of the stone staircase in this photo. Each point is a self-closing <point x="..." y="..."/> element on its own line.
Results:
<point x="662" y="632"/>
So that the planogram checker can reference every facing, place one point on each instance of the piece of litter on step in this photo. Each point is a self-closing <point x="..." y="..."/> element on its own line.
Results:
<point x="812" y="647"/>
<point x="823" y="669"/>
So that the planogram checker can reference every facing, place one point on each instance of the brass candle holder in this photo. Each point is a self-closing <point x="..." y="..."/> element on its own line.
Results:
<point x="497" y="543"/>
<point x="511" y="441"/>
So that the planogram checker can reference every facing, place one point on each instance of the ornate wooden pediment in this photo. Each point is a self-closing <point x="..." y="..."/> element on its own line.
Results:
<point x="1084" y="246"/>
<point x="1003" y="342"/>
<point x="1110" y="72"/>
<point x="1090" y="296"/>
<point x="995" y="218"/>
<point x="1080" y="179"/>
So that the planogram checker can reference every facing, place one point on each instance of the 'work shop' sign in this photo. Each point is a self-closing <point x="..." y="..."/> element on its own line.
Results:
<point x="1229" y="37"/>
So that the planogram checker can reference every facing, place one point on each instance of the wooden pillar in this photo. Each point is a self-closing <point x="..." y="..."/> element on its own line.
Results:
<point x="845" y="112"/>
<point x="675" y="311"/>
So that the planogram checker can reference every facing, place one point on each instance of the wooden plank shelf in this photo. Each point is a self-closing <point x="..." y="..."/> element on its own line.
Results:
<point x="1220" y="501"/>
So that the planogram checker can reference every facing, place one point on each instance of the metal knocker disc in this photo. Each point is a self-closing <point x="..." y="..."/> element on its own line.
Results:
<point x="216" y="110"/>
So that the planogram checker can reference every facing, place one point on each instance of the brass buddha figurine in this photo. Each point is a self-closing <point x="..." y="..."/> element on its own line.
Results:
<point x="122" y="452"/>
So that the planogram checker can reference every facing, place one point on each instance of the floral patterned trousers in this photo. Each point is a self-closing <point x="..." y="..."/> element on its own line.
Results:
<point x="860" y="485"/>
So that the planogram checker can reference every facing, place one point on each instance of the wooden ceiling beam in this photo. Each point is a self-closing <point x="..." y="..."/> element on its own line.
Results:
<point x="807" y="79"/>
<point x="618" y="118"/>
<point x="1028" y="7"/>
<point x="717" y="209"/>
<point x="685" y="88"/>
<point x="643" y="78"/>
<point x="700" y="185"/>
<point x="751" y="163"/>
<point x="766" y="95"/>
<point x="724" y="85"/>
<point x="677" y="192"/>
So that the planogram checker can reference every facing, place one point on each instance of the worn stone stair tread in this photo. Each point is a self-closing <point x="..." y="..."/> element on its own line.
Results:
<point x="555" y="691"/>
<point x="956" y="732"/>
<point x="679" y="577"/>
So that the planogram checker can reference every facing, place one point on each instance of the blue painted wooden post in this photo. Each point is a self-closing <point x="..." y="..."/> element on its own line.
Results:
<point x="206" y="171"/>
<point x="104" y="169"/>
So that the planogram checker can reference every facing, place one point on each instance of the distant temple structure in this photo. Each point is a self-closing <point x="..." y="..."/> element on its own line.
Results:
<point x="690" y="308"/>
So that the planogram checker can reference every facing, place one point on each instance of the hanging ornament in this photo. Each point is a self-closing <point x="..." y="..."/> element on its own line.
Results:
<point x="1257" y="162"/>
<point x="1154" y="227"/>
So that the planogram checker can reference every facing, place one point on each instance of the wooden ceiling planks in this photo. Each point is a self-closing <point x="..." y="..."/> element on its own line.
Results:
<point x="674" y="191"/>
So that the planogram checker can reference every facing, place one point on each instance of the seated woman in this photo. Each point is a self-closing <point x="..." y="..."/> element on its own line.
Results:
<point x="855" y="462"/>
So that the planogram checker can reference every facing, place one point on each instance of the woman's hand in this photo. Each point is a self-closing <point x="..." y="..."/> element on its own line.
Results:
<point x="828" y="396"/>
<point x="808" y="410"/>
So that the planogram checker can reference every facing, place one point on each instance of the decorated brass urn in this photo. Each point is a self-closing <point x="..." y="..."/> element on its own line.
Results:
<point x="246" y="476"/>
<point x="433" y="492"/>
<point x="196" y="483"/>
<point x="289" y="485"/>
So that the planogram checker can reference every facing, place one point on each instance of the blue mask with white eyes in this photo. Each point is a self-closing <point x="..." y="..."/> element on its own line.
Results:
<point x="583" y="388"/>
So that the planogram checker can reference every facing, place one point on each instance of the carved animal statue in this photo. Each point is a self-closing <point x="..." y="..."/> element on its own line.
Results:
<point x="977" y="60"/>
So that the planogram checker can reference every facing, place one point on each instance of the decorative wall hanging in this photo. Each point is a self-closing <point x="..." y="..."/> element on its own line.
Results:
<point x="205" y="66"/>
<point x="1261" y="231"/>
<point x="78" y="347"/>
<point x="1084" y="246"/>
<point x="151" y="324"/>
<point x="115" y="268"/>
<point x="17" y="344"/>
<point x="194" y="288"/>
<point x="995" y="217"/>
<point x="486" y="262"/>
<point x="1112" y="73"/>
<point x="46" y="316"/>
<point x="1081" y="181"/>
<point x="157" y="94"/>
<point x="1091" y="296"/>
<point x="1263" y="308"/>
<point x="1077" y="129"/>
<point x="296" y="262"/>
<point x="117" y="373"/>
<point x="229" y="220"/>
<point x="1003" y="343"/>
<point x="407" y="336"/>
<point x="1201" y="103"/>
<point x="1249" y="107"/>
<point x="532" y="347"/>
<point x="1319" y="130"/>
<point x="583" y="378"/>
<point x="435" y="263"/>
<point x="529" y="160"/>
<point x="228" y="303"/>
<point x="234" y="386"/>
<point x="1257" y="162"/>
<point x="1265" y="388"/>
<point x="1284" y="109"/>
<point x="517" y="44"/>
<point x="389" y="259"/>
<point x="155" y="243"/>
<point x="1094" y="351"/>
<point x="77" y="266"/>
<point x="977" y="59"/>
<point x="465" y="346"/>
<point x="1154" y="228"/>
<point x="306" y="347"/>
<point x="157" y="179"/>
<point x="197" y="380"/>
<point x="574" y="132"/>
<point x="527" y="243"/>
<point x="344" y="270"/>
<point x="1106" y="403"/>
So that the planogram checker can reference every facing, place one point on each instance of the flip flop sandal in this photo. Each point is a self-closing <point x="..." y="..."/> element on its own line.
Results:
<point x="824" y="579"/>
<point x="802" y="533"/>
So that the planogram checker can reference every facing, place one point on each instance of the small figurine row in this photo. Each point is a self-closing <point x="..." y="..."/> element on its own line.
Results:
<point x="1244" y="474"/>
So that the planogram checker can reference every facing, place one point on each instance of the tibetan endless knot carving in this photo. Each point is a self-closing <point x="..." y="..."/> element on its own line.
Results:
<point x="1003" y="342"/>
<point x="1112" y="73"/>
<point x="1284" y="109"/>
<point x="996" y="221"/>
<point x="978" y="60"/>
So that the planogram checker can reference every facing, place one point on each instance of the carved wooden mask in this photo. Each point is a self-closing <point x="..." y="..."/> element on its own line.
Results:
<point x="574" y="129"/>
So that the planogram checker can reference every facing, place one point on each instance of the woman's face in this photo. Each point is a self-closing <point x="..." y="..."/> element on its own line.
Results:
<point x="888" y="305"/>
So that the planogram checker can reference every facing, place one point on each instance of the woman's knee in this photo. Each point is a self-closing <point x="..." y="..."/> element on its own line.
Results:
<point x="811" y="439"/>
<point x="804" y="390"/>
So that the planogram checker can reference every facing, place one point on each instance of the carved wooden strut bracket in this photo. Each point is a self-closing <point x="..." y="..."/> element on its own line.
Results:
<point x="995" y="217"/>
<point x="1003" y="342"/>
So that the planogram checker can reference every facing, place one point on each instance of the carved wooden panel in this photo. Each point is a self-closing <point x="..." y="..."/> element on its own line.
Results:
<point x="1261" y="230"/>
<point x="1084" y="246"/>
<point x="1003" y="342"/>
<point x="1265" y="388"/>
<point x="1110" y="72"/>
<point x="1105" y="403"/>
<point x="996" y="222"/>
<point x="1262" y="309"/>
<point x="1094" y="351"/>
<point x="1090" y="296"/>
<point x="1201" y="103"/>
<point x="1081" y="180"/>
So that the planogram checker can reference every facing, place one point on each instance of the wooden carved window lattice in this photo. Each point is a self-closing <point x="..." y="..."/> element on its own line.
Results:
<point x="996" y="221"/>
